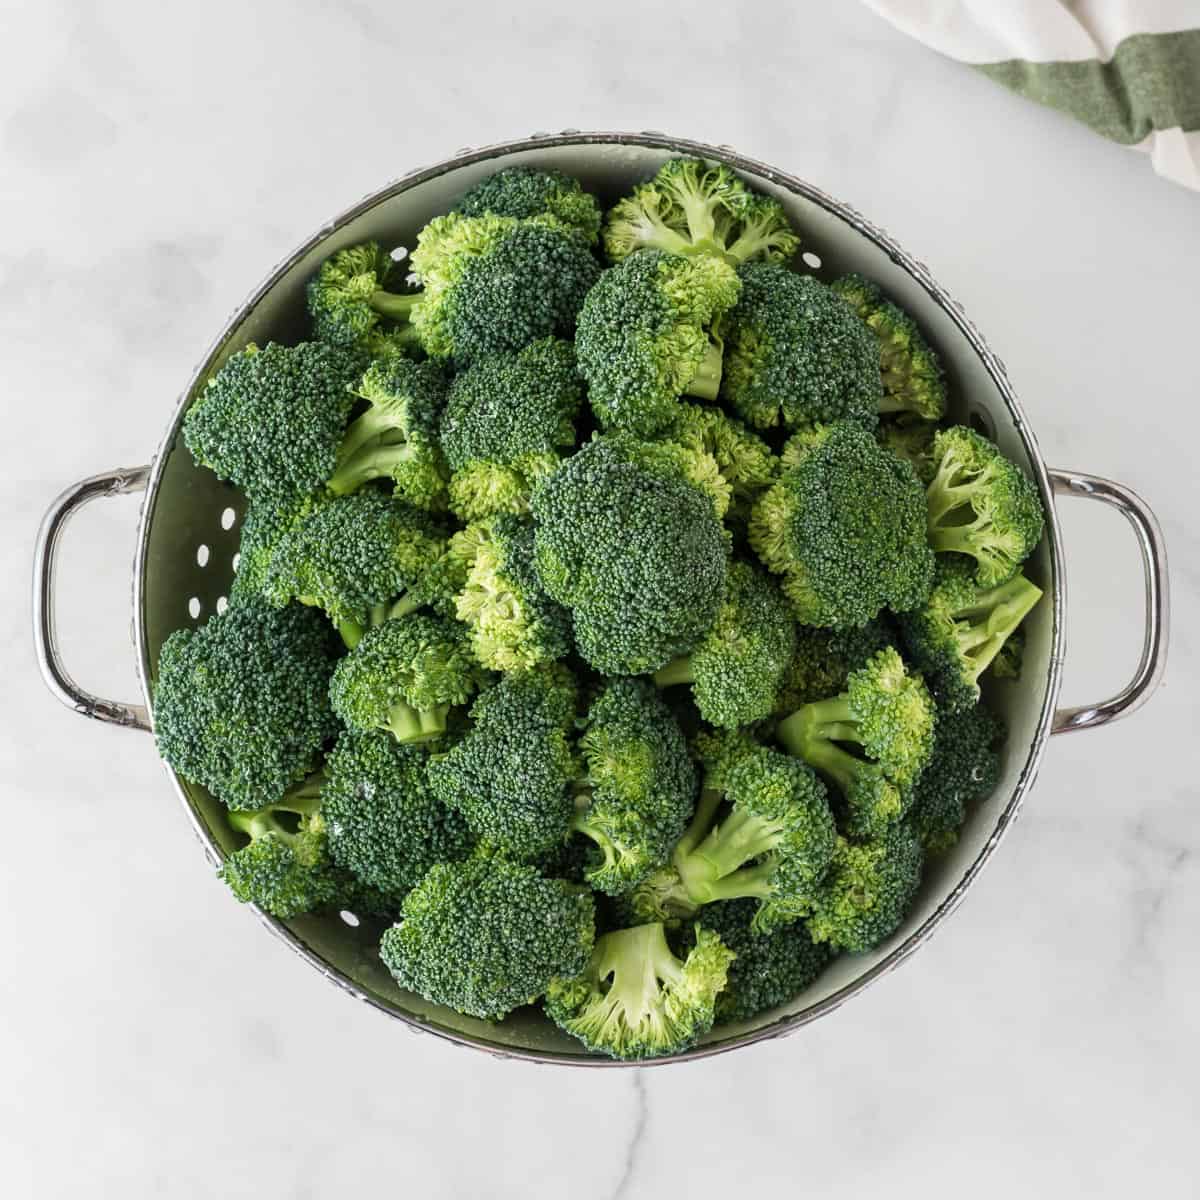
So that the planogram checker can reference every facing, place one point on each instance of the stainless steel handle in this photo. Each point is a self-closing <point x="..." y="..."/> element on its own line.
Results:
<point x="1158" y="606"/>
<point x="111" y="483"/>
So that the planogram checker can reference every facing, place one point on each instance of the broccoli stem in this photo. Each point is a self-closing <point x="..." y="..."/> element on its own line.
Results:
<point x="702" y="819"/>
<point x="304" y="800"/>
<point x="677" y="671"/>
<point x="638" y="960"/>
<point x="738" y="840"/>
<point x="408" y="724"/>
<point x="991" y="618"/>
<point x="707" y="381"/>
<point x="817" y="721"/>
<point x="373" y="461"/>
<point x="350" y="630"/>
<point x="389" y="304"/>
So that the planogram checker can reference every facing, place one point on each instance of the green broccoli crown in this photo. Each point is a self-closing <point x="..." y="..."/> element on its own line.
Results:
<point x="743" y="459"/>
<point x="534" y="192"/>
<point x="241" y="704"/>
<point x="635" y="999"/>
<point x="769" y="968"/>
<point x="912" y="441"/>
<point x="717" y="751"/>
<point x="270" y="419"/>
<point x="404" y="676"/>
<point x="673" y="461"/>
<point x="913" y="381"/>
<point x="694" y="207"/>
<point x="514" y="624"/>
<point x="637" y="557"/>
<point x="737" y="667"/>
<point x="349" y="300"/>
<point x="263" y="527"/>
<point x="383" y="822"/>
<point x="486" y="936"/>
<point x="795" y="352"/>
<point x="963" y="769"/>
<point x="845" y="527"/>
<point x="873" y="740"/>
<point x="396" y="438"/>
<point x="824" y="659"/>
<point x="509" y="419"/>
<point x="1010" y="658"/>
<point x="981" y="505"/>
<point x="645" y="337"/>
<point x="962" y="628"/>
<point x="640" y="784"/>
<point x="868" y="890"/>
<point x="352" y="554"/>
<point x="494" y="284"/>
<point x="511" y="775"/>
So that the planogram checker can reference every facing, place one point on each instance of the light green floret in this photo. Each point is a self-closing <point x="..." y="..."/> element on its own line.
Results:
<point x="486" y="936"/>
<point x="646" y="336"/>
<point x="404" y="676"/>
<point x="872" y="741"/>
<point x="635" y="999"/>
<point x="532" y="192"/>
<point x="981" y="505"/>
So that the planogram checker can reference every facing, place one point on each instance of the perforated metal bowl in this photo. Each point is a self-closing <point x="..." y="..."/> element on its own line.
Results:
<point x="188" y="532"/>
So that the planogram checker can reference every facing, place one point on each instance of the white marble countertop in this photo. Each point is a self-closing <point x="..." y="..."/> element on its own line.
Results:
<point x="155" y="1043"/>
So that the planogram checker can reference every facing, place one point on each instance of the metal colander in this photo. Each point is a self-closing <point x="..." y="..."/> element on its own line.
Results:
<point x="188" y="534"/>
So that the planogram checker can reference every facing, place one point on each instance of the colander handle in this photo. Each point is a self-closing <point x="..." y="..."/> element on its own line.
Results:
<point x="1158" y="606"/>
<point x="111" y="483"/>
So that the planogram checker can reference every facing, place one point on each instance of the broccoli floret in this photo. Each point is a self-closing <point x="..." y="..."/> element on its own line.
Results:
<point x="963" y="769"/>
<point x="868" y="890"/>
<point x="638" y="558"/>
<point x="769" y="968"/>
<point x="396" y="438"/>
<point x="774" y="845"/>
<point x="981" y="505"/>
<point x="241" y="704"/>
<point x="270" y="419"/>
<point x="486" y="936"/>
<point x="1010" y="658"/>
<point x="351" y="306"/>
<point x="912" y="441"/>
<point x="913" y="381"/>
<point x="887" y="716"/>
<point x="509" y="420"/>
<point x="962" y="628"/>
<point x="354" y="557"/>
<point x="824" y="659"/>
<point x="404" y="676"/>
<point x="737" y="667"/>
<point x="635" y="999"/>
<point x="845" y="527"/>
<point x="672" y="461"/>
<point x="511" y="775"/>
<point x="646" y="337"/>
<point x="533" y="192"/>
<point x="263" y="528"/>
<point x="639" y="785"/>
<point x="694" y="207"/>
<point x="743" y="459"/>
<point x="795" y="352"/>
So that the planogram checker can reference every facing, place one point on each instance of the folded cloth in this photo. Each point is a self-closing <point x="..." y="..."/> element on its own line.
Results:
<point x="1130" y="69"/>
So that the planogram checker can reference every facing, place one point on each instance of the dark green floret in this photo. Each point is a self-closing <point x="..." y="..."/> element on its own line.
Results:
<point x="845" y="527"/>
<point x="795" y="353"/>
<point x="485" y="936"/>
<point x="534" y="192"/>
<point x="824" y="659"/>
<point x="646" y="337"/>
<point x="404" y="676"/>
<point x="912" y="441"/>
<point x="635" y="999"/>
<point x="263" y="528"/>
<point x="351" y="302"/>
<point x="638" y="558"/>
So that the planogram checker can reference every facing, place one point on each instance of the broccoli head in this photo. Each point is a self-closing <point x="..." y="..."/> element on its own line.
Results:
<point x="534" y="192"/>
<point x="912" y="441"/>
<point x="263" y="527"/>
<point x="351" y="304"/>
<point x="486" y="936"/>
<point x="824" y="659"/>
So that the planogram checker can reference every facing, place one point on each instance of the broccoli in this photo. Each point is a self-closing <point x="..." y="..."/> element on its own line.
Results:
<point x="913" y="381"/>
<point x="774" y="845"/>
<point x="511" y="775"/>
<point x="404" y="676"/>
<point x="1010" y="658"/>
<point x="532" y="192"/>
<point x="795" y="352"/>
<point x="981" y="505"/>
<point x="824" y="659"/>
<point x="737" y="667"/>
<point x="672" y="461"/>
<point x="887" y="716"/>
<point x="769" y="968"/>
<point x="638" y="558"/>
<point x="963" y="769"/>
<point x="396" y="438"/>
<point x="351" y="306"/>
<point x="868" y="890"/>
<point x="962" y="628"/>
<point x="913" y="441"/>
<point x="845" y="527"/>
<point x="487" y="936"/>
<point x="635" y="999"/>
<point x="354" y="557"/>
<point x="638" y="788"/>
<point x="270" y="419"/>
<point x="509" y="420"/>
<point x="646" y="336"/>
<point x="383" y="822"/>
<point x="694" y="207"/>
<point x="263" y="527"/>
<point x="241" y="704"/>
